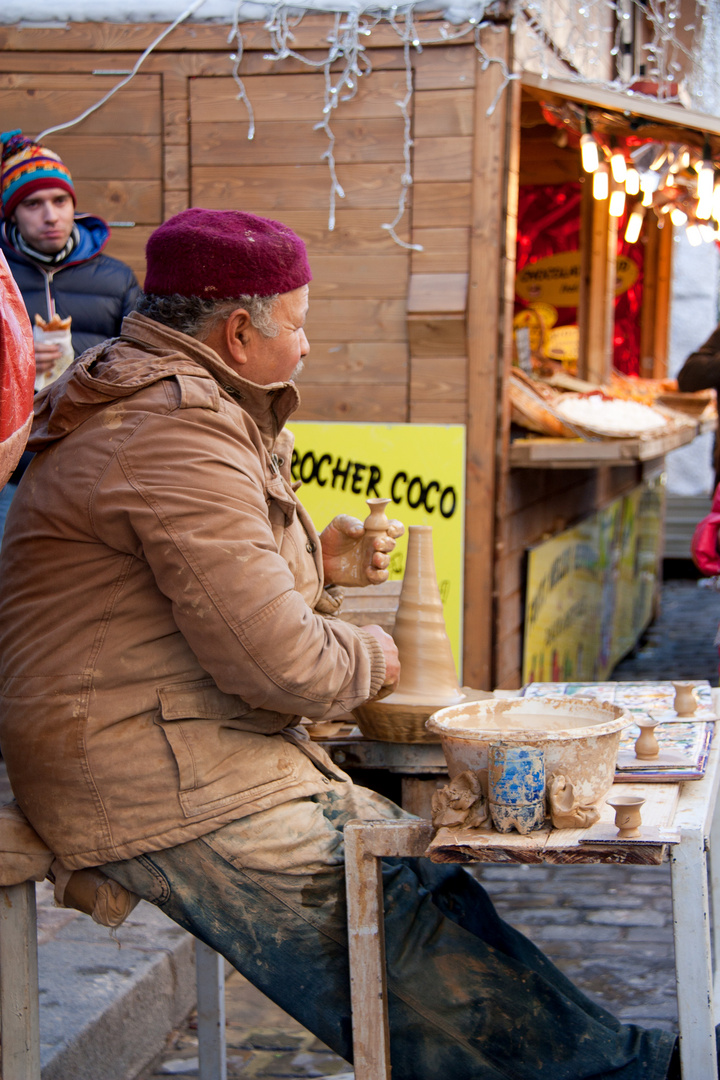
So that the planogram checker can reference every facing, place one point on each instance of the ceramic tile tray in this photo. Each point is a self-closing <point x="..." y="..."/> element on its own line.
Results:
<point x="684" y="742"/>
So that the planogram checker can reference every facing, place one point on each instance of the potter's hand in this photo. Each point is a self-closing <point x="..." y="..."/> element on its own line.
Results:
<point x="349" y="560"/>
<point x="390" y="652"/>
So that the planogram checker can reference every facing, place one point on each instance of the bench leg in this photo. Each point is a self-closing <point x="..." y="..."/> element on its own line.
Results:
<point x="212" y="1051"/>
<point x="693" y="961"/>
<point x="366" y="842"/>
<point x="19" y="1009"/>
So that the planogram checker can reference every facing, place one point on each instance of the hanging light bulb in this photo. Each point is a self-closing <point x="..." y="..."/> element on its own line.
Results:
<point x="632" y="181"/>
<point x="705" y="182"/>
<point x="707" y="233"/>
<point x="618" y="166"/>
<point x="693" y="235"/>
<point x="634" y="225"/>
<point x="715" y="212"/>
<point x="678" y="216"/>
<point x="703" y="210"/>
<point x="617" y="203"/>
<point x="589" y="153"/>
<point x="601" y="182"/>
<point x="589" y="150"/>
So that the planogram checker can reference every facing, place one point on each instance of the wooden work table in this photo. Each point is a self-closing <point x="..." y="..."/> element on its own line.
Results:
<point x="541" y="452"/>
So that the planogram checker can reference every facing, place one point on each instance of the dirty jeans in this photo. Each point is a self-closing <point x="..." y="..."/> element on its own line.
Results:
<point x="469" y="997"/>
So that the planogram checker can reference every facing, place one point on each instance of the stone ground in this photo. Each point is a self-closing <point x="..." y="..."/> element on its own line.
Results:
<point x="609" y="928"/>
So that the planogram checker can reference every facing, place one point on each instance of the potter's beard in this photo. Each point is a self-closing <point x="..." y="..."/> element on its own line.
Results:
<point x="298" y="370"/>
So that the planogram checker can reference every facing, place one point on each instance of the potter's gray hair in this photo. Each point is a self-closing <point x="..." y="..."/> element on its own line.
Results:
<point x="197" y="318"/>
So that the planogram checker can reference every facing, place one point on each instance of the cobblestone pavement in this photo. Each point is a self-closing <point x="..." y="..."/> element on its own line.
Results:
<point x="607" y="927"/>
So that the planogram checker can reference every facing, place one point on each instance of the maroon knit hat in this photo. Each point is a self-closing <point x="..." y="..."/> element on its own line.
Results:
<point x="221" y="254"/>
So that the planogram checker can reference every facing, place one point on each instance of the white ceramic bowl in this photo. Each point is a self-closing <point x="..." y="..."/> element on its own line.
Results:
<point x="579" y="736"/>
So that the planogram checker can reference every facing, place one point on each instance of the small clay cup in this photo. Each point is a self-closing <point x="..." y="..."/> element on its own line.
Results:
<point x="685" y="700"/>
<point x="646" y="745"/>
<point x="627" y="815"/>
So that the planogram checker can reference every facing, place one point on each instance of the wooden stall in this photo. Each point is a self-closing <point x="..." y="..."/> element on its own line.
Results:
<point x="418" y="331"/>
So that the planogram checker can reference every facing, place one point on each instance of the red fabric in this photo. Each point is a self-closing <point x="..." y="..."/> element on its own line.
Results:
<point x="222" y="254"/>
<point x="17" y="358"/>
<point x="703" y="546"/>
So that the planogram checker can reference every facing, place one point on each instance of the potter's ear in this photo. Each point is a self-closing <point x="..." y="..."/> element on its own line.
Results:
<point x="237" y="327"/>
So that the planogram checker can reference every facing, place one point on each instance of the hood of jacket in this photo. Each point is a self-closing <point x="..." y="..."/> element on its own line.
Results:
<point x="145" y="353"/>
<point x="93" y="235"/>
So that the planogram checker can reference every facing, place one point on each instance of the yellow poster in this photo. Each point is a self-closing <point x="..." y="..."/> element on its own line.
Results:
<point x="419" y="467"/>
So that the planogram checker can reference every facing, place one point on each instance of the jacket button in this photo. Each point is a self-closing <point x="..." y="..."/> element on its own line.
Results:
<point x="310" y="546"/>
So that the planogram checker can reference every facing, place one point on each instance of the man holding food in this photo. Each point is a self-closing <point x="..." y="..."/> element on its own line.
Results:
<point x="72" y="292"/>
<point x="168" y="616"/>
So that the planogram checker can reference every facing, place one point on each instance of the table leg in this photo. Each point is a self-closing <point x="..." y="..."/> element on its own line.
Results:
<point x="212" y="1051"/>
<point x="19" y="1008"/>
<point x="366" y="944"/>
<point x="693" y="961"/>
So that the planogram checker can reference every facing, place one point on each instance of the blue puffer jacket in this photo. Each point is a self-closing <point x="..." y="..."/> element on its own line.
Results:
<point x="94" y="289"/>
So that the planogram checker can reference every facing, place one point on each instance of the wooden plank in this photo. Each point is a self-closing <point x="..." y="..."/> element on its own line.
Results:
<point x="99" y="157"/>
<point x="443" y="293"/>
<point x="365" y="404"/>
<point x="438" y="380"/>
<point x="311" y="33"/>
<point x="356" y="320"/>
<point x="359" y="230"/>
<point x="437" y="335"/>
<point x="442" y="159"/>
<point x="356" y="362"/>
<point x="446" y="67"/>
<point x="293" y="97"/>
<point x="210" y="982"/>
<point x="598" y="253"/>
<point x="488" y="342"/>
<point x="175" y="201"/>
<point x="37" y="107"/>
<point x="443" y="113"/>
<point x="437" y="204"/>
<point x="129" y="246"/>
<point x="443" y="251"/>
<point x="265" y="190"/>
<point x="280" y="142"/>
<point x="19" y="1006"/>
<point x="663" y="302"/>
<point x="441" y="412"/>
<point x="116" y="200"/>
<point x="371" y="276"/>
<point x="176" y="168"/>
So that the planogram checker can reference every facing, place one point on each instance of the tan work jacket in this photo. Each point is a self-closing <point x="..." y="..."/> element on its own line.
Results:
<point x="159" y="625"/>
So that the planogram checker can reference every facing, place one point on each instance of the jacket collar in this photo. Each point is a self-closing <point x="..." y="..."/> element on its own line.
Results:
<point x="269" y="406"/>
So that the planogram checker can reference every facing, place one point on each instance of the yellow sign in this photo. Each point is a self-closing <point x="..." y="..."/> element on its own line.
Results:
<point x="420" y="467"/>
<point x="556" y="278"/>
<point x="590" y="590"/>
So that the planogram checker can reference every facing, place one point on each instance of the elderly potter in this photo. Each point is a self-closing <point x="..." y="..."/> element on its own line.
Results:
<point x="166" y="618"/>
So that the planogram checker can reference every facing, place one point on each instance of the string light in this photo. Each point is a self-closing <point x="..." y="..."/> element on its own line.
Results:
<point x="693" y="235"/>
<point x="617" y="203"/>
<point x="634" y="225"/>
<point x="601" y="182"/>
<point x="589" y="153"/>
<point x="618" y="167"/>
<point x="678" y="216"/>
<point x="632" y="181"/>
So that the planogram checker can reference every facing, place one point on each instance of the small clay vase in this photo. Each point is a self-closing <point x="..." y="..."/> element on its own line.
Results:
<point x="627" y="815"/>
<point x="376" y="523"/>
<point x="685" y="700"/>
<point x="646" y="745"/>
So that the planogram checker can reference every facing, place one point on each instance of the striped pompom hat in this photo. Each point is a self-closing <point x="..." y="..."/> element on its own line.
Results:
<point x="27" y="167"/>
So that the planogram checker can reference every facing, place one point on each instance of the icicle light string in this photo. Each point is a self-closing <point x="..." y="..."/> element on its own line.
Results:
<point x="406" y="179"/>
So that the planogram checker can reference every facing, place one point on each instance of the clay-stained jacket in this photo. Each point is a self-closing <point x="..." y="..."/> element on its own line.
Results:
<point x="159" y="632"/>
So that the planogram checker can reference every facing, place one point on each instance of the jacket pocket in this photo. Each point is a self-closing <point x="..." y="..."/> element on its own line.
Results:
<point x="220" y="765"/>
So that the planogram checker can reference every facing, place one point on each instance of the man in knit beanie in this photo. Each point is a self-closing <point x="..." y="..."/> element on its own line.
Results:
<point x="55" y="254"/>
<point x="168" y="615"/>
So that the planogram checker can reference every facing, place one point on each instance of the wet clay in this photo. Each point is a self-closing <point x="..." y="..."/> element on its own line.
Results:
<point x="352" y="567"/>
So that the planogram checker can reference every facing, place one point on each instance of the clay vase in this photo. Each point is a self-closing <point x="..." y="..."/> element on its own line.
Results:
<point x="685" y="700"/>
<point x="427" y="667"/>
<point x="376" y="523"/>
<point x="352" y="568"/>
<point x="627" y="815"/>
<point x="646" y="745"/>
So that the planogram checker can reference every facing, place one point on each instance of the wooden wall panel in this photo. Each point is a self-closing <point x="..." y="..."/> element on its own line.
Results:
<point x="271" y="190"/>
<point x="443" y="113"/>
